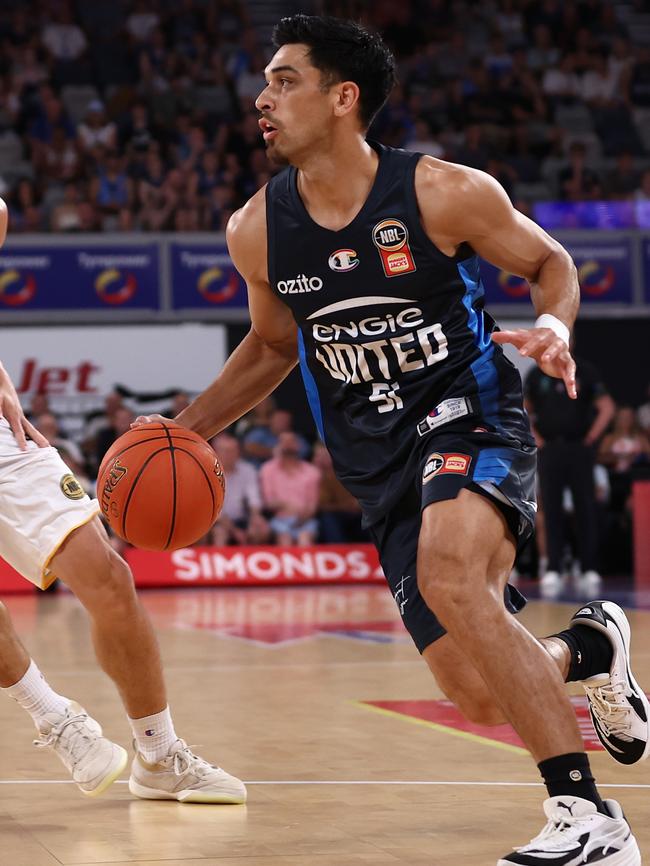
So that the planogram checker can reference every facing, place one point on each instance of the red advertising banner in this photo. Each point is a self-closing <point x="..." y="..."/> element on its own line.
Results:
<point x="257" y="566"/>
<point x="11" y="581"/>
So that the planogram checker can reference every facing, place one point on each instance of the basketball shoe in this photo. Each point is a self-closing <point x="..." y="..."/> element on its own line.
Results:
<point x="576" y="834"/>
<point x="93" y="761"/>
<point x="619" y="709"/>
<point x="183" y="776"/>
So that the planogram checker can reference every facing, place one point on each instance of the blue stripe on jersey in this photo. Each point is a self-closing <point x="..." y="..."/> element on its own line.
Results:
<point x="493" y="464"/>
<point x="483" y="368"/>
<point x="311" y="388"/>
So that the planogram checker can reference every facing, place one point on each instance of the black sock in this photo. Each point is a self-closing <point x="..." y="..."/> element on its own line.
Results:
<point x="591" y="652"/>
<point x="570" y="776"/>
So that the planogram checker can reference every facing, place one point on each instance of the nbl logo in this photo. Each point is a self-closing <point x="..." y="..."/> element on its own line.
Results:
<point x="390" y="235"/>
<point x="391" y="238"/>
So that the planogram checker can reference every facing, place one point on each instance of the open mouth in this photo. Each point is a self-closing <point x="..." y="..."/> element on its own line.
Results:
<point x="268" y="130"/>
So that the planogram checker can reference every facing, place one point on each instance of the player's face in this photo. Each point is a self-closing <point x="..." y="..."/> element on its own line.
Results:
<point x="296" y="110"/>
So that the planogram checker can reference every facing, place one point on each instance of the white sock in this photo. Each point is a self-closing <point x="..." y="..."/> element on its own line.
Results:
<point x="154" y="735"/>
<point x="35" y="695"/>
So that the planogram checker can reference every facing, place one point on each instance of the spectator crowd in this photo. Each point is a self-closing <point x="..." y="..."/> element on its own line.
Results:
<point x="138" y="115"/>
<point x="119" y="115"/>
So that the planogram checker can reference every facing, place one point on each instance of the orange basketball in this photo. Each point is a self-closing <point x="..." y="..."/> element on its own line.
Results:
<point x="160" y="486"/>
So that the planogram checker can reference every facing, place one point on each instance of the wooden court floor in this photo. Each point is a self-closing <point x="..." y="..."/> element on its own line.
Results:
<point x="316" y="698"/>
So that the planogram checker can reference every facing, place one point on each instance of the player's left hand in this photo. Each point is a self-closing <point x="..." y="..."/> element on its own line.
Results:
<point x="549" y="351"/>
<point x="149" y="419"/>
<point x="11" y="411"/>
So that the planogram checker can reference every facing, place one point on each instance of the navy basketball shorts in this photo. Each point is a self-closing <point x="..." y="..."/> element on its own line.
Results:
<point x="485" y="463"/>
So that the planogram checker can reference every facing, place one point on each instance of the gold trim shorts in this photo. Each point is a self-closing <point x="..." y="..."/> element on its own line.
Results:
<point x="41" y="503"/>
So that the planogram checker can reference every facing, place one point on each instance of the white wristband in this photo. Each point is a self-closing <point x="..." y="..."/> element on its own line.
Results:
<point x="546" y="320"/>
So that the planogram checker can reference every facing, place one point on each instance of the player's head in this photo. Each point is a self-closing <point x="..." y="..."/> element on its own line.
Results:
<point x="326" y="73"/>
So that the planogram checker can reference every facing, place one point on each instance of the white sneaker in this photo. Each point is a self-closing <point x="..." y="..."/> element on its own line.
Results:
<point x="551" y="584"/>
<point x="619" y="709"/>
<point x="93" y="761"/>
<point x="589" y="582"/>
<point x="184" y="776"/>
<point x="577" y="834"/>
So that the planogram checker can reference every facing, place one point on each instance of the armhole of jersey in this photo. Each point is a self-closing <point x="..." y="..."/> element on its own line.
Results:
<point x="270" y="235"/>
<point x="464" y="250"/>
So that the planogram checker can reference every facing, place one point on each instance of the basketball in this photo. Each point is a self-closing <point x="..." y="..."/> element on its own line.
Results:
<point x="160" y="486"/>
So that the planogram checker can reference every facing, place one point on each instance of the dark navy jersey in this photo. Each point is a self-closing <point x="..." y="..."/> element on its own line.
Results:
<point x="393" y="340"/>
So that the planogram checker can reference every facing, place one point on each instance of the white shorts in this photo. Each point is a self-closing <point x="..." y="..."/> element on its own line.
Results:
<point x="41" y="503"/>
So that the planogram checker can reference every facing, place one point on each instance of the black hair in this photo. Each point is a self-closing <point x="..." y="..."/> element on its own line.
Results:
<point x="343" y="51"/>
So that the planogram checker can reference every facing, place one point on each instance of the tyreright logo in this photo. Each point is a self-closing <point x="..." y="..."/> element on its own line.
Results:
<point x="115" y="288"/>
<point x="16" y="288"/>
<point x="216" y="285"/>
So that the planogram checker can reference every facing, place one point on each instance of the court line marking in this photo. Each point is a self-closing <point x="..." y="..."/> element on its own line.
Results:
<point x="359" y="782"/>
<point x="80" y="672"/>
<point x="444" y="729"/>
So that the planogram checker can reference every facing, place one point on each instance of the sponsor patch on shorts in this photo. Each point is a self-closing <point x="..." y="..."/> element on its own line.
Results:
<point x="445" y="464"/>
<point x="456" y="464"/>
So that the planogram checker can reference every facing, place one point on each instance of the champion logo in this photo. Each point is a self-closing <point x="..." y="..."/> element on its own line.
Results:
<point x="150" y="733"/>
<point x="343" y="260"/>
<point x="575" y="776"/>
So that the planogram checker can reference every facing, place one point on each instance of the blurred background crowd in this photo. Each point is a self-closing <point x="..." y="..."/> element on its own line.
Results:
<point x="123" y="115"/>
<point x="138" y="115"/>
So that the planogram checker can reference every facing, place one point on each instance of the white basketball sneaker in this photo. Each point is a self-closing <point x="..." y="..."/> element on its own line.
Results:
<point x="620" y="711"/>
<point x="183" y="776"/>
<point x="93" y="761"/>
<point x="576" y="835"/>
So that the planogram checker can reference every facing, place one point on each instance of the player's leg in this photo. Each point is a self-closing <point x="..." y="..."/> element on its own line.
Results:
<point x="127" y="649"/>
<point x="465" y="555"/>
<point x="93" y="761"/>
<point x="462" y="684"/>
<point x="123" y="637"/>
<point x="48" y="523"/>
<point x="464" y="558"/>
<point x="14" y="658"/>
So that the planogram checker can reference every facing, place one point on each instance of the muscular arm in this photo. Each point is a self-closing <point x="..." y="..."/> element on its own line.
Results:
<point x="270" y="349"/>
<point x="460" y="204"/>
<point x="10" y="407"/>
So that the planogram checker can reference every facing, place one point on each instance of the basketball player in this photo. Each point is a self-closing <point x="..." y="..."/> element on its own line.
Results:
<point x="49" y="528"/>
<point x="362" y="265"/>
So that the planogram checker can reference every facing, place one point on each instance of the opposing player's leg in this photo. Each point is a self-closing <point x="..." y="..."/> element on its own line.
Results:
<point x="93" y="761"/>
<point x="48" y="528"/>
<point x="127" y="649"/>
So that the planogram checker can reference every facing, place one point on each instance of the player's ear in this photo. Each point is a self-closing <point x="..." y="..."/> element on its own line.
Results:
<point x="347" y="97"/>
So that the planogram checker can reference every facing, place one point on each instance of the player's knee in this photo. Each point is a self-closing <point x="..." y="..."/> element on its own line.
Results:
<point x="448" y="588"/>
<point x="119" y="581"/>
<point x="109" y="590"/>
